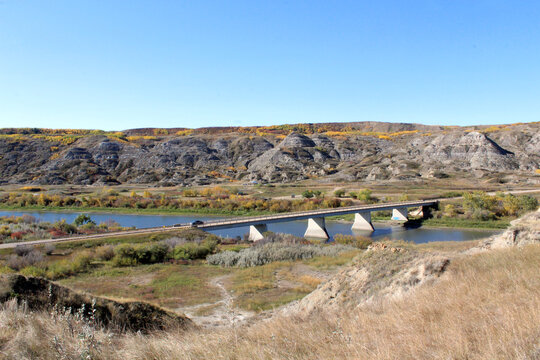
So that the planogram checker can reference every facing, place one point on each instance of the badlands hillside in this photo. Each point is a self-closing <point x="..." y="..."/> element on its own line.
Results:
<point x="338" y="152"/>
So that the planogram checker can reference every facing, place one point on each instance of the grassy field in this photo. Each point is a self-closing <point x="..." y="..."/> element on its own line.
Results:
<point x="175" y="286"/>
<point x="167" y="285"/>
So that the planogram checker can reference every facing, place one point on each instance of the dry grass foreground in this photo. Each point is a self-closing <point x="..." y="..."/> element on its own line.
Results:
<point x="485" y="306"/>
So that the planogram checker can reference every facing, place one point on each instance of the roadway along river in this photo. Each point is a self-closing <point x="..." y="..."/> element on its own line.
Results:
<point x="418" y="235"/>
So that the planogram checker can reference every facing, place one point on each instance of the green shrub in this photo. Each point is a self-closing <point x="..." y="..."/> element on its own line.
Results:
<point x="129" y="255"/>
<point x="192" y="250"/>
<point x="62" y="225"/>
<point x="451" y="194"/>
<point x="125" y="251"/>
<point x="125" y="255"/>
<point x="364" y="195"/>
<point x="151" y="254"/>
<point x="34" y="271"/>
<point x="528" y="203"/>
<point x="123" y="261"/>
<point x="105" y="252"/>
<point x="79" y="263"/>
<point x="361" y="242"/>
<point x="83" y="219"/>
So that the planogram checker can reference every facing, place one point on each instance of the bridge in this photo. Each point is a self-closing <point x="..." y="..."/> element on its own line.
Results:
<point x="316" y="227"/>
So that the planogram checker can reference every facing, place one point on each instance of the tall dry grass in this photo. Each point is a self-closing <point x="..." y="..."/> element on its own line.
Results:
<point x="486" y="306"/>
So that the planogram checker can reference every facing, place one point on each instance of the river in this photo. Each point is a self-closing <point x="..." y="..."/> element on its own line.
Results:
<point x="382" y="230"/>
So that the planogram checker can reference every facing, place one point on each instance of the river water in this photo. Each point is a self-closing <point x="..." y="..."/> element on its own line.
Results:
<point x="382" y="230"/>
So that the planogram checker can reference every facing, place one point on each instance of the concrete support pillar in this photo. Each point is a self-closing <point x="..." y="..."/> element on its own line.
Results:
<point x="418" y="212"/>
<point x="362" y="221"/>
<point x="399" y="214"/>
<point x="316" y="229"/>
<point x="256" y="232"/>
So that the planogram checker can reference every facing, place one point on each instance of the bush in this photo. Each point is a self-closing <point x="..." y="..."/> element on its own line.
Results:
<point x="125" y="255"/>
<point x="450" y="210"/>
<point x="151" y="254"/>
<point x="192" y="250"/>
<point x="22" y="250"/>
<point x="364" y="195"/>
<point x="63" y="226"/>
<point x="28" y="219"/>
<point x="34" y="271"/>
<point x="360" y="242"/>
<point x="480" y="214"/>
<point x="269" y="252"/>
<point x="479" y="200"/>
<point x="49" y="249"/>
<point x="339" y="193"/>
<point x="79" y="263"/>
<point x="172" y="242"/>
<point x="105" y="253"/>
<point x="33" y="257"/>
<point x="528" y="203"/>
<point x="83" y="219"/>
<point x="270" y="237"/>
<point x="129" y="255"/>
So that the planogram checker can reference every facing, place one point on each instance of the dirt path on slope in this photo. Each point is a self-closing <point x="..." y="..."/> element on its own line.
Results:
<point x="219" y="313"/>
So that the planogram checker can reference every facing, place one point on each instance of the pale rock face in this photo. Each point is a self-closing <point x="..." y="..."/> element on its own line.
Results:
<point x="376" y="173"/>
<point x="523" y="231"/>
<point x="473" y="150"/>
<point x="363" y="283"/>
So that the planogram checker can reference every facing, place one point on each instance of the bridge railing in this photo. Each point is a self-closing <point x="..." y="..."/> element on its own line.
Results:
<point x="316" y="212"/>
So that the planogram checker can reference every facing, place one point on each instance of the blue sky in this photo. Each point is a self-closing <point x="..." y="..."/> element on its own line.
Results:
<point x="116" y="65"/>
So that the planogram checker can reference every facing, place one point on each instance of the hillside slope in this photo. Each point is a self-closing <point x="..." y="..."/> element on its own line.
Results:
<point x="361" y="152"/>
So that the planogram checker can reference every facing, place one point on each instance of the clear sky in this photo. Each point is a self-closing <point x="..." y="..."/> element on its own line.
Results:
<point x="114" y="65"/>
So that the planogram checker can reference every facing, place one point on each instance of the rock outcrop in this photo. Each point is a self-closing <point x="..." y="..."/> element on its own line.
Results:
<point x="523" y="231"/>
<point x="380" y="272"/>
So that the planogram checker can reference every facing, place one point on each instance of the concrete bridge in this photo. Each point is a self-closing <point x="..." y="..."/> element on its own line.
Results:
<point x="316" y="227"/>
<point x="257" y="224"/>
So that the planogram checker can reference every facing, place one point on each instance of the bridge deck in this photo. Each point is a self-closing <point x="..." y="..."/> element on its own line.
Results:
<point x="256" y="220"/>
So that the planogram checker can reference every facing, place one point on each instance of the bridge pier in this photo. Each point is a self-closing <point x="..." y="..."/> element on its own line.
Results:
<point x="400" y="214"/>
<point x="418" y="212"/>
<point x="362" y="221"/>
<point x="256" y="232"/>
<point x="316" y="228"/>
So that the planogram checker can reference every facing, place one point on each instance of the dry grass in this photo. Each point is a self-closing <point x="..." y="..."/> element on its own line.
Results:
<point x="486" y="306"/>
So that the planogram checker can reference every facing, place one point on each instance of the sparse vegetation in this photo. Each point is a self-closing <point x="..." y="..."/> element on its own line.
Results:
<point x="481" y="207"/>
<point x="484" y="308"/>
<point x="360" y="242"/>
<point x="274" y="251"/>
<point x="26" y="227"/>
